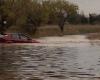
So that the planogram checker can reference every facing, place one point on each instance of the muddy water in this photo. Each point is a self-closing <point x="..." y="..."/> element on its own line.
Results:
<point x="55" y="58"/>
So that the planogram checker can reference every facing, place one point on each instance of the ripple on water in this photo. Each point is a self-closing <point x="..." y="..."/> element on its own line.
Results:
<point x="47" y="62"/>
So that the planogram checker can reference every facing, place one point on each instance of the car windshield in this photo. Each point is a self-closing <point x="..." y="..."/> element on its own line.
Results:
<point x="19" y="36"/>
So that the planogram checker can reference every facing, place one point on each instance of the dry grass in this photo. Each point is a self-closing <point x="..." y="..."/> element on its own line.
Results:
<point x="54" y="30"/>
<point x="82" y="29"/>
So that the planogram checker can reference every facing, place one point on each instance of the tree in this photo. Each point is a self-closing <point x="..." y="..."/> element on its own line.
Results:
<point x="27" y="15"/>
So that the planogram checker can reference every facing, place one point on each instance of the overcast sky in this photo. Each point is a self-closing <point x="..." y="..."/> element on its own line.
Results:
<point x="88" y="6"/>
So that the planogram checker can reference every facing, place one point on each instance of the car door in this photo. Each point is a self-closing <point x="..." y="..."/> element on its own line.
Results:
<point x="24" y="38"/>
<point x="15" y="37"/>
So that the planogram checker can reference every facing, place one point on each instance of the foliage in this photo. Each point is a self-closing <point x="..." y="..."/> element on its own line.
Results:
<point x="28" y="14"/>
<point x="94" y="19"/>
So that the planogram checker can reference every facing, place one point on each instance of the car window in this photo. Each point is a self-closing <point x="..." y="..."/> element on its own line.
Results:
<point x="15" y="36"/>
<point x="23" y="37"/>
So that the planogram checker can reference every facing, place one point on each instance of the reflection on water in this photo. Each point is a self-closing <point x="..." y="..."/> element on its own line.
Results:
<point x="70" y="62"/>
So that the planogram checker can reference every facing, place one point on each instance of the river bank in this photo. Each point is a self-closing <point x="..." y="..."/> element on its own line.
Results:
<point x="54" y="30"/>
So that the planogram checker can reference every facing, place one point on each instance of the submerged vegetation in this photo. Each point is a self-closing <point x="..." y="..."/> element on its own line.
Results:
<point x="94" y="36"/>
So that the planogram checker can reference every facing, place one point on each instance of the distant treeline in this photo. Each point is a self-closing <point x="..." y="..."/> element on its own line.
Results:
<point x="82" y="19"/>
<point x="27" y="15"/>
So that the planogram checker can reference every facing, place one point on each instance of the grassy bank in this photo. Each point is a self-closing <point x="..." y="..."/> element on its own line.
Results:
<point x="54" y="30"/>
<point x="68" y="30"/>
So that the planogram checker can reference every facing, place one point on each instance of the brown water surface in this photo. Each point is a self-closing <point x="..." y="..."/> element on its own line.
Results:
<point x="60" y="61"/>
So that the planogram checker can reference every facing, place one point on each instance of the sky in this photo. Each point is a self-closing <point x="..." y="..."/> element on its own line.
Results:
<point x="87" y="6"/>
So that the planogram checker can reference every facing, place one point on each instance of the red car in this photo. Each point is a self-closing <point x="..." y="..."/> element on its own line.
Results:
<point x="16" y="38"/>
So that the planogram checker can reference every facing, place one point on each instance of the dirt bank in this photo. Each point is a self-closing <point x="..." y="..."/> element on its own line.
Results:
<point x="54" y="30"/>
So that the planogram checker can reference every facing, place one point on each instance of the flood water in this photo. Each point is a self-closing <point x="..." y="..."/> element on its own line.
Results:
<point x="55" y="58"/>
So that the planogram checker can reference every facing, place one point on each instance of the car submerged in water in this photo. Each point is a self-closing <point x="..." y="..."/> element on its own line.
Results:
<point x="16" y="38"/>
